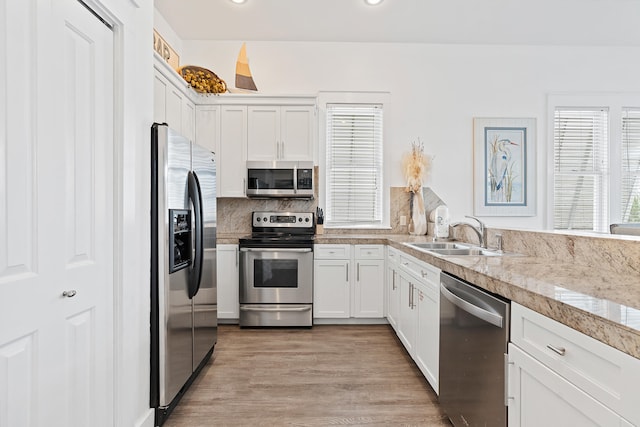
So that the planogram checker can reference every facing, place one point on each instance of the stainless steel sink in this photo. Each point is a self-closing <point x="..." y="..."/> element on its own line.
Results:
<point x="466" y="251"/>
<point x="453" y="249"/>
<point x="437" y="245"/>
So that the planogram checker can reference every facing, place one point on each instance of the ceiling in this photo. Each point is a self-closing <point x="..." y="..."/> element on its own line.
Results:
<point x="532" y="22"/>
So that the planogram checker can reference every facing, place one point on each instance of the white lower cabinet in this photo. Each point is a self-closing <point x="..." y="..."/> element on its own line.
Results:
<point x="540" y="397"/>
<point x="393" y="287"/>
<point x="331" y="288"/>
<point x="418" y="318"/>
<point x="228" y="282"/>
<point x="561" y="377"/>
<point x="407" y="314"/>
<point x="427" y="346"/>
<point x="348" y="281"/>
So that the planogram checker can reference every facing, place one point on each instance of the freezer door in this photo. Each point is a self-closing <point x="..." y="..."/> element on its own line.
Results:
<point x="174" y="306"/>
<point x="205" y="301"/>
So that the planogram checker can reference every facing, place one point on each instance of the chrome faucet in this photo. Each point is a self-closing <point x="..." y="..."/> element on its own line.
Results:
<point x="481" y="230"/>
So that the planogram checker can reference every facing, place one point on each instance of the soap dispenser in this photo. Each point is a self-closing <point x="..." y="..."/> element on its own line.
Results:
<point x="442" y="222"/>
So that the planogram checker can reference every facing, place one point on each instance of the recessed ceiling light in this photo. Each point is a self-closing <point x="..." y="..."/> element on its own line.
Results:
<point x="238" y="1"/>
<point x="372" y="2"/>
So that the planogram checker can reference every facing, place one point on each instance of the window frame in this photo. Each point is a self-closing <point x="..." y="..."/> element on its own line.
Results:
<point x="614" y="103"/>
<point x="367" y="98"/>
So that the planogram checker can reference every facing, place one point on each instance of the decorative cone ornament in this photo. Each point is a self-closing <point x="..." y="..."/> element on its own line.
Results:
<point x="243" y="73"/>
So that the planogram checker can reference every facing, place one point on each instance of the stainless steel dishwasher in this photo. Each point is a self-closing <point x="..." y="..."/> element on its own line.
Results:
<point x="474" y="333"/>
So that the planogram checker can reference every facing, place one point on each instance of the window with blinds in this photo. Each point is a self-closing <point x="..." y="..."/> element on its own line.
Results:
<point x="354" y="164"/>
<point x="630" y="185"/>
<point x="580" y="169"/>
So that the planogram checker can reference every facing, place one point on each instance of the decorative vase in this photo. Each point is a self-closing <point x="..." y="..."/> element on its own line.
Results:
<point x="418" y="224"/>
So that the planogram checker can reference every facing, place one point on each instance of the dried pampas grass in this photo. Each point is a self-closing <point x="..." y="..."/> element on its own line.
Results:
<point x="415" y="165"/>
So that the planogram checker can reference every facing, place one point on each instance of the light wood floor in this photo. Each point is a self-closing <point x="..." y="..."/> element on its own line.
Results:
<point x="323" y="376"/>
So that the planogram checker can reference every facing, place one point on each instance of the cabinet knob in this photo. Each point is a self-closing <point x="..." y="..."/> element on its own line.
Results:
<point x="69" y="294"/>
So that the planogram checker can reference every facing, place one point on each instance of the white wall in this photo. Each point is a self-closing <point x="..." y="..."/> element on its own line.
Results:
<point x="436" y="91"/>
<point x="133" y="117"/>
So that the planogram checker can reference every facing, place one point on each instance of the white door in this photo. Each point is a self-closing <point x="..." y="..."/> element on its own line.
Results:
<point x="56" y="216"/>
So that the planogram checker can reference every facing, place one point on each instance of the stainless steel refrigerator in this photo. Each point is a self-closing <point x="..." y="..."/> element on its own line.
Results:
<point x="183" y="265"/>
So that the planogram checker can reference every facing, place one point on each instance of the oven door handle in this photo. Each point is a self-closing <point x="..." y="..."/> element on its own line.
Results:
<point x="275" y="309"/>
<point x="299" y="250"/>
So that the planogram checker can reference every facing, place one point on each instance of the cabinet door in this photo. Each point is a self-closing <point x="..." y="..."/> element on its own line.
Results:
<point x="263" y="133"/>
<point x="331" y="288"/>
<point x="173" y="108"/>
<point x="208" y="127"/>
<point x="232" y="165"/>
<point x="393" y="296"/>
<point x="188" y="126"/>
<point x="228" y="282"/>
<point x="540" y="397"/>
<point x="368" y="288"/>
<point x="159" y="99"/>
<point x="427" y="346"/>
<point x="407" y="318"/>
<point x="296" y="134"/>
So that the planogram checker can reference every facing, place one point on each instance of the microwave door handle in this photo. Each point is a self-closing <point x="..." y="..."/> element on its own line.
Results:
<point x="196" y="199"/>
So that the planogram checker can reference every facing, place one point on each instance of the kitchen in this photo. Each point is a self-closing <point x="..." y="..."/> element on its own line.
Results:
<point x="457" y="76"/>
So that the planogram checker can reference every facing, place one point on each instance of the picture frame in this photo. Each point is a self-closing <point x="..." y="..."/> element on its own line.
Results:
<point x="504" y="177"/>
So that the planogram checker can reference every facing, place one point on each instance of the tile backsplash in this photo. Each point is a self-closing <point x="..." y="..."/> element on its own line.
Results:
<point x="234" y="214"/>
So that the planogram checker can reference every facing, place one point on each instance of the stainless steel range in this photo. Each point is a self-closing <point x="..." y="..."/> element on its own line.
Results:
<point x="276" y="270"/>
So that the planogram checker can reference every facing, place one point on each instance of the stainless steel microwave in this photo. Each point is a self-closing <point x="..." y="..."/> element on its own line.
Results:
<point x="280" y="179"/>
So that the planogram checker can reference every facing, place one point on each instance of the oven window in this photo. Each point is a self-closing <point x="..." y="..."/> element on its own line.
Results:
<point x="275" y="273"/>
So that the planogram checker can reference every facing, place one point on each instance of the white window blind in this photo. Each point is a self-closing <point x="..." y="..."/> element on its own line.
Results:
<point x="354" y="164"/>
<point x="580" y="169"/>
<point x="630" y="185"/>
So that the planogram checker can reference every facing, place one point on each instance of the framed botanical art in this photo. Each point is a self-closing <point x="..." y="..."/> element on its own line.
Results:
<point x="504" y="177"/>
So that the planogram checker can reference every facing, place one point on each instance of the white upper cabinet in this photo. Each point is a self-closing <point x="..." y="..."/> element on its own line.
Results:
<point x="232" y="164"/>
<point x="172" y="103"/>
<point x="283" y="132"/>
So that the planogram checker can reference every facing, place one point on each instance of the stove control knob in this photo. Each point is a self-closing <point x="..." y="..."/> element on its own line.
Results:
<point x="306" y="220"/>
<point x="264" y="219"/>
<point x="299" y="219"/>
<point x="258" y="219"/>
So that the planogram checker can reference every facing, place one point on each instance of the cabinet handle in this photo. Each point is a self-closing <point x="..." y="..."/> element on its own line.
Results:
<point x="347" y="269"/>
<point x="559" y="350"/>
<point x="411" y="295"/>
<point x="507" y="363"/>
<point x="405" y="263"/>
<point x="358" y="272"/>
<point x="69" y="294"/>
<point x="393" y="281"/>
<point x="282" y="149"/>
<point x="424" y="273"/>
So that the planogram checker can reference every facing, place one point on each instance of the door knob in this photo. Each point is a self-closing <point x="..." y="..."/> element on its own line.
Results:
<point x="69" y="294"/>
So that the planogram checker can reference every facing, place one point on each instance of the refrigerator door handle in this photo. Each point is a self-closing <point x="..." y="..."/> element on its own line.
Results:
<point x="196" y="199"/>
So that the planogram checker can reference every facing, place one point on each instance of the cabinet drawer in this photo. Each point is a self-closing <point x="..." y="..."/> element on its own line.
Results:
<point x="332" y="251"/>
<point x="369" y="251"/>
<point x="393" y="256"/>
<point x="420" y="269"/>
<point x="607" y="374"/>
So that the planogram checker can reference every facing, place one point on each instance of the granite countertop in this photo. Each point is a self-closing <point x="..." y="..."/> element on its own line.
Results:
<point x="596" y="301"/>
